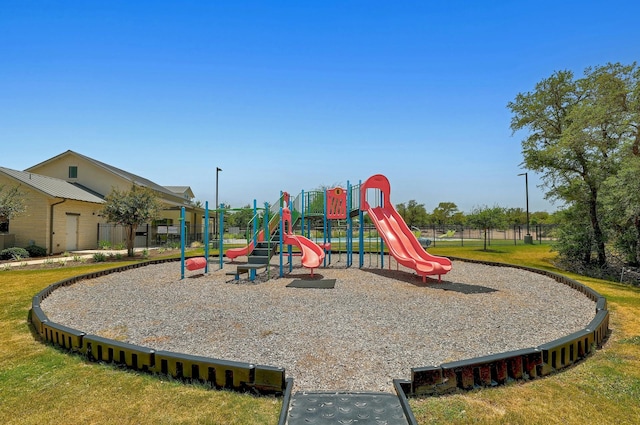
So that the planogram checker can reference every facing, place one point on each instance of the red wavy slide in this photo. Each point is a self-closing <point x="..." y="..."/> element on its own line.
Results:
<point x="402" y="243"/>
<point x="312" y="253"/>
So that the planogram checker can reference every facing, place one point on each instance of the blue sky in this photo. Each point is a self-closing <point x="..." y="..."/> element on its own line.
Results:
<point x="293" y="95"/>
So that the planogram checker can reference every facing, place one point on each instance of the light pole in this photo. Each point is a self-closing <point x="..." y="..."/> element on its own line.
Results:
<point x="218" y="169"/>
<point x="527" y="238"/>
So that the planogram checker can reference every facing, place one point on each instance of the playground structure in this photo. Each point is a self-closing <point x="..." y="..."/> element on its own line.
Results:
<point x="279" y="219"/>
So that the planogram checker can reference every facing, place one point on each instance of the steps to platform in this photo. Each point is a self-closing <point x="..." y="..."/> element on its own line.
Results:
<point x="257" y="259"/>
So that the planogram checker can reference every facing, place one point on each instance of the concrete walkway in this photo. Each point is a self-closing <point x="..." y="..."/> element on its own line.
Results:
<point x="69" y="257"/>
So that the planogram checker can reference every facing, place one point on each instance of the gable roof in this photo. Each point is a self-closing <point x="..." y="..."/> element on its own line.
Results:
<point x="181" y="190"/>
<point x="50" y="186"/>
<point x="133" y="178"/>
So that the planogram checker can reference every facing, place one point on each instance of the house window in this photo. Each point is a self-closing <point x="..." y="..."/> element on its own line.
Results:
<point x="4" y="227"/>
<point x="73" y="172"/>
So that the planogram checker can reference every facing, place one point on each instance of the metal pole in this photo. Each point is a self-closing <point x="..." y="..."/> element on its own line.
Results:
<point x="527" y="238"/>
<point x="215" y="230"/>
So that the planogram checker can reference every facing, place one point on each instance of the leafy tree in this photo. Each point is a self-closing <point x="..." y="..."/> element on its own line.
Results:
<point x="622" y="197"/>
<point x="574" y="238"/>
<point x="414" y="214"/>
<point x="540" y="217"/>
<point x="577" y="133"/>
<point x="131" y="208"/>
<point x="239" y="218"/>
<point x="11" y="203"/>
<point x="442" y="214"/>
<point x="459" y="218"/>
<point x="486" y="218"/>
<point x="516" y="216"/>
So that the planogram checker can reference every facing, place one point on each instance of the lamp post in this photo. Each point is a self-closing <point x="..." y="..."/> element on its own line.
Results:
<point x="218" y="169"/>
<point x="527" y="238"/>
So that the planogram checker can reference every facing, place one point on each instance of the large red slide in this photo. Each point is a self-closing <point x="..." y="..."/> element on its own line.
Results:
<point x="402" y="243"/>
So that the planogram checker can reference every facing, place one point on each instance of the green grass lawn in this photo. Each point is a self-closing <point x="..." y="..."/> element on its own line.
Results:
<point x="41" y="384"/>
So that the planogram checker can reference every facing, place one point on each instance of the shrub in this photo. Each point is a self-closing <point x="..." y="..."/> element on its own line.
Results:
<point x="36" y="251"/>
<point x="99" y="257"/>
<point x="14" y="253"/>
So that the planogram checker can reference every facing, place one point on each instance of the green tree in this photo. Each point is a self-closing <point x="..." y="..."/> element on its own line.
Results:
<point x="540" y="217"/>
<point x="414" y="214"/>
<point x="574" y="238"/>
<point x="577" y="133"/>
<point x="131" y="208"/>
<point x="516" y="216"/>
<point x="240" y="218"/>
<point x="442" y="214"/>
<point x="486" y="218"/>
<point x="459" y="218"/>
<point x="622" y="198"/>
<point x="11" y="203"/>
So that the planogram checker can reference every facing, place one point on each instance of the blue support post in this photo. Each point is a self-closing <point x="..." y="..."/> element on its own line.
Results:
<point x="290" y="247"/>
<point x="325" y="227"/>
<point x="254" y="227"/>
<point x="221" y="235"/>
<point x="206" y="236"/>
<point x="267" y="232"/>
<point x="182" y="242"/>
<point x="302" y="211"/>
<point x="361" y="235"/>
<point x="281" y="239"/>
<point x="381" y="240"/>
<point x="349" y="235"/>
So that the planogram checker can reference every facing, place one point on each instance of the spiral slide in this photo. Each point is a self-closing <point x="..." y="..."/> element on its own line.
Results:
<point x="312" y="253"/>
<point x="402" y="243"/>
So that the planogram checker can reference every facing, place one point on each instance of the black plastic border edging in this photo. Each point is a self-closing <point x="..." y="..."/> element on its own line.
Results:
<point x="482" y="371"/>
<point x="219" y="373"/>
<point x="399" y="385"/>
<point x="523" y="364"/>
<point x="286" y="402"/>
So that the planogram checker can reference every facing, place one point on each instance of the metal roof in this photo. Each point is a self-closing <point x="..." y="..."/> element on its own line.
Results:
<point x="50" y="186"/>
<point x="133" y="178"/>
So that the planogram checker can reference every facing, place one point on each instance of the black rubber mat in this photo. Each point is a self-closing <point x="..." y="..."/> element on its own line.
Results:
<point x="345" y="408"/>
<point x="321" y="284"/>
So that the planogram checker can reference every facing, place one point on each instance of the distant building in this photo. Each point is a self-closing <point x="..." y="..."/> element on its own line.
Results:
<point x="65" y="194"/>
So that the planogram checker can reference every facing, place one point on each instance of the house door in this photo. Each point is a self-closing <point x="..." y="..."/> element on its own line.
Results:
<point x="72" y="233"/>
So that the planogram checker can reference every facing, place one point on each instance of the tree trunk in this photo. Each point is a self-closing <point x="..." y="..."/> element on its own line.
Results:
<point x="637" y="225"/>
<point x="131" y="236"/>
<point x="597" y="231"/>
<point x="485" y="239"/>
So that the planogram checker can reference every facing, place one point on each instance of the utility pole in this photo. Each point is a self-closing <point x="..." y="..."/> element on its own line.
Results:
<point x="528" y="239"/>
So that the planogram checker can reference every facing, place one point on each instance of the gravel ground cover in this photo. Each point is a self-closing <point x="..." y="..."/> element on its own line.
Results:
<point x="373" y="327"/>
